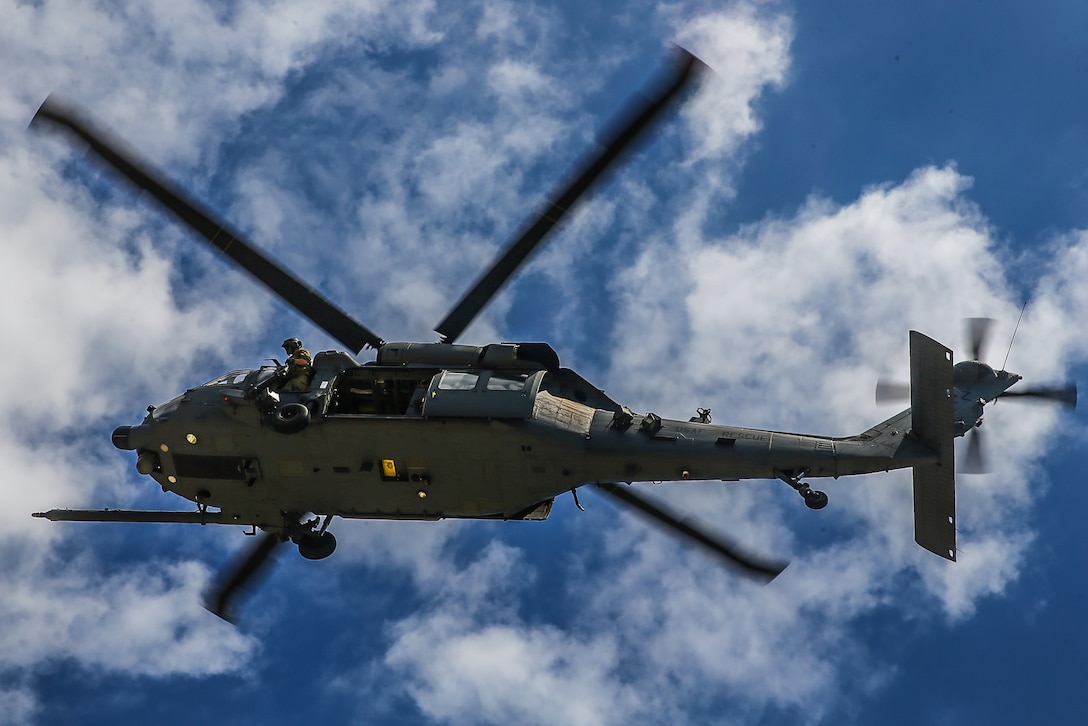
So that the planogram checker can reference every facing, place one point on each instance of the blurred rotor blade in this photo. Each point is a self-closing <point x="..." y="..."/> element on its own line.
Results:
<point x="751" y="565"/>
<point x="56" y="112"/>
<point x="626" y="128"/>
<point x="975" y="460"/>
<point x="977" y="331"/>
<point x="240" y="576"/>
<point x="1065" y="395"/>
<point x="891" y="391"/>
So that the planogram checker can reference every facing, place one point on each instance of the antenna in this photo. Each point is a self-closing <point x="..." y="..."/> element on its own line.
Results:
<point x="1005" y="362"/>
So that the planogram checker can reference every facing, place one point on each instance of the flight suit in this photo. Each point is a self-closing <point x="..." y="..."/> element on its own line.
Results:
<point x="299" y="371"/>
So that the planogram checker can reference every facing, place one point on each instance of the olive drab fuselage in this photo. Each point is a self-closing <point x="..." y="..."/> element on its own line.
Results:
<point x="418" y="441"/>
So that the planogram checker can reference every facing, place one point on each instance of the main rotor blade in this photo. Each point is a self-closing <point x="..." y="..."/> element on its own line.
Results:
<point x="977" y="331"/>
<point x="114" y="152"/>
<point x="1065" y="395"/>
<point x="237" y="578"/>
<point x="751" y="565"/>
<point x="628" y="127"/>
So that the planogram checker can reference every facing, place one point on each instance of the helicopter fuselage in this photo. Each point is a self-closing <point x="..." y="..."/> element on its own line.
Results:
<point x="413" y="441"/>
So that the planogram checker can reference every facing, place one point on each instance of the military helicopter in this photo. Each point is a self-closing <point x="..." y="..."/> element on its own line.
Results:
<point x="432" y="430"/>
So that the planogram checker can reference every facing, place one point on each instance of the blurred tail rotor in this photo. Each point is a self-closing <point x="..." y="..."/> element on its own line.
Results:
<point x="974" y="460"/>
<point x="976" y="385"/>
<point x="888" y="391"/>
<point x="977" y="334"/>
<point x="1066" y="395"/>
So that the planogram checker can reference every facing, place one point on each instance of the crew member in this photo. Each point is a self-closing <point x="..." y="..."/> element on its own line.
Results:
<point x="298" y="370"/>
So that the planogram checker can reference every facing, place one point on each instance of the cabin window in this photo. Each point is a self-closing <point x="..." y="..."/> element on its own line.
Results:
<point x="454" y="381"/>
<point x="487" y="394"/>
<point x="507" y="381"/>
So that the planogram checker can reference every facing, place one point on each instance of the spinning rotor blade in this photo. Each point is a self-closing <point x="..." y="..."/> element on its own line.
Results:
<point x="235" y="579"/>
<point x="977" y="331"/>
<point x="627" y="127"/>
<point x="1065" y="395"/>
<point x="731" y="552"/>
<point x="891" y="391"/>
<point x="295" y="293"/>
<point x="975" y="460"/>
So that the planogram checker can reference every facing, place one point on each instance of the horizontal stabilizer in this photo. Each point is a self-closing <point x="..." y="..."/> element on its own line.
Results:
<point x="935" y="509"/>
<point x="125" y="515"/>
<point x="931" y="423"/>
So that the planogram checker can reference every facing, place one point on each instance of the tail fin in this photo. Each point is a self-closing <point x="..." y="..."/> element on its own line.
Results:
<point x="931" y="417"/>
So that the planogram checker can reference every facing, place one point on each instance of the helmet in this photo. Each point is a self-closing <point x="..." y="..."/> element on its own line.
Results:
<point x="291" y="343"/>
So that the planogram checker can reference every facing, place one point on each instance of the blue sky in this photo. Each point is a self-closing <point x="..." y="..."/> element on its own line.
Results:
<point x="849" y="172"/>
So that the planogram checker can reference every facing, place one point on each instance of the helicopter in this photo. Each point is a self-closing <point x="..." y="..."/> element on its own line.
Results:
<point x="433" y="430"/>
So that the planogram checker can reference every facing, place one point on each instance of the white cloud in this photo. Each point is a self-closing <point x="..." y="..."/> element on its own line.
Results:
<point x="144" y="621"/>
<point x="472" y="659"/>
<point x="749" y="53"/>
<point x="162" y="73"/>
<point x="81" y="612"/>
<point x="18" y="705"/>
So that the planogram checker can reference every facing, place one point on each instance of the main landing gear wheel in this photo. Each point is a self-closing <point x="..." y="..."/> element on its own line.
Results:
<point x="814" y="499"/>
<point x="316" y="546"/>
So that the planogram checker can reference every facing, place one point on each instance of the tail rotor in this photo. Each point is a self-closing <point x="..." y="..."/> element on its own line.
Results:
<point x="975" y="385"/>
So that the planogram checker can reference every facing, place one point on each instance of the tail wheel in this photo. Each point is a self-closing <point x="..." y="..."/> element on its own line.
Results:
<point x="814" y="499"/>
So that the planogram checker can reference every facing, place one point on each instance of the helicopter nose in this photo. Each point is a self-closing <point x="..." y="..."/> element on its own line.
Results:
<point x="121" y="438"/>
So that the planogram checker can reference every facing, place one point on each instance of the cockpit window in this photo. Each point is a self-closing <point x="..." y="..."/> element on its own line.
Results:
<point x="261" y="376"/>
<point x="161" y="413"/>
<point x="234" y="378"/>
<point x="454" y="381"/>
